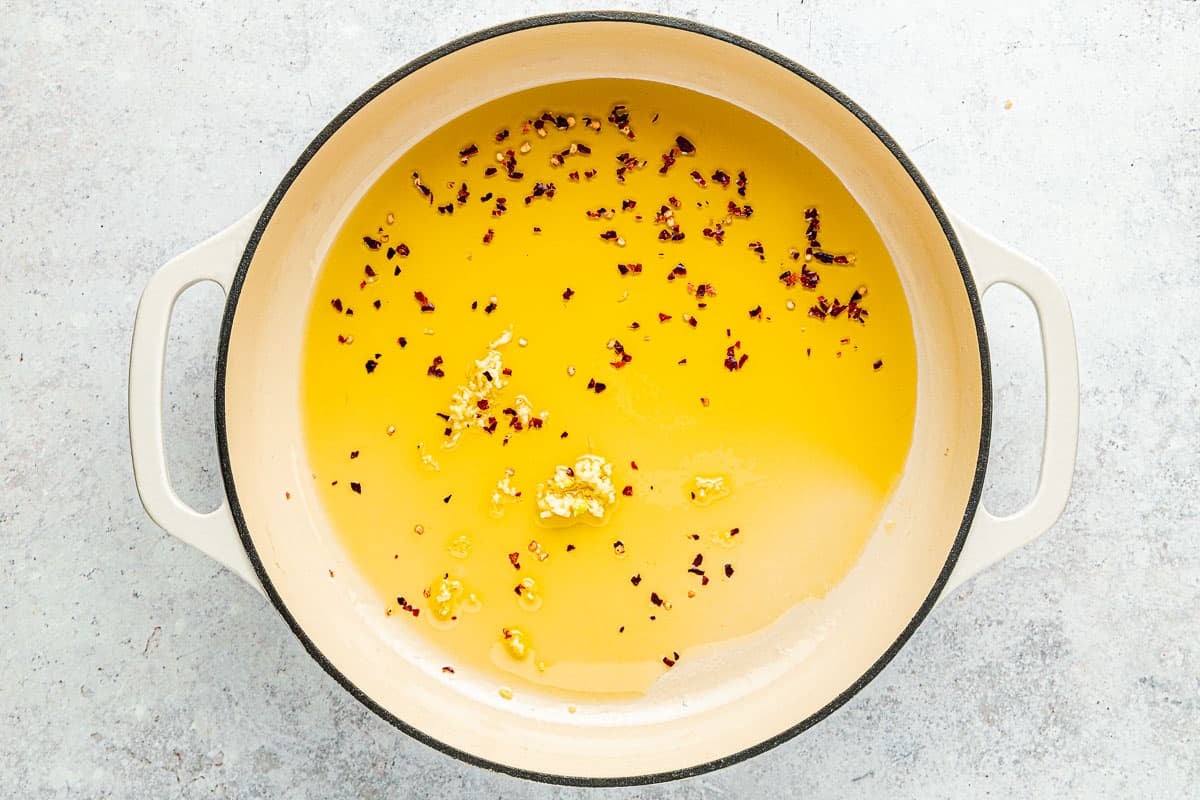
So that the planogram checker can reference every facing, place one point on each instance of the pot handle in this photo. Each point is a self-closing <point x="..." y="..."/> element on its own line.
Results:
<point x="213" y="533"/>
<point x="991" y="537"/>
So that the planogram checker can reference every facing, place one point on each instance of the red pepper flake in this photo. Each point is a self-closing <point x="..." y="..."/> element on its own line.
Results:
<point x="836" y="308"/>
<point x="698" y="560"/>
<point x="742" y="183"/>
<point x="489" y="172"/>
<point x="568" y="293"/>
<point x="690" y="320"/>
<point x="287" y="495"/>
<point x="372" y="244"/>
<point x="821" y="309"/>
<point x="446" y="209"/>
<point x="450" y="670"/>
<point x="506" y="371"/>
<point x="487" y="237"/>
<point x="354" y="454"/>
<point x="655" y="599"/>
<point x="466" y="153"/>
<point x="337" y="304"/>
<point x="756" y="312"/>
<point x="704" y="401"/>
<point x="371" y="365"/>
<point x="757" y="247"/>
<point x="627" y="269"/>
<point x="878" y="365"/>
<point x="722" y="177"/>
<point x="421" y="187"/>
<point x="678" y="271"/>
<point x="698" y="178"/>
<point x="734" y="362"/>
<point x="423" y="301"/>
<point x="674" y="201"/>
<point x="663" y="317"/>
<point x="490" y="307"/>
<point x="619" y="116"/>
<point x="619" y="547"/>
<point x="633" y="465"/>
<point x="729" y="570"/>
<point x="609" y="235"/>
<point x="402" y="341"/>
<point x="628" y="205"/>
<point x="704" y="580"/>
<point x="685" y="146"/>
<point x="636" y="579"/>
<point x="501" y="135"/>
<point x="435" y="369"/>
<point x="668" y="661"/>
<point x="344" y="340"/>
<point x="627" y="491"/>
<point x="717" y="234"/>
<point x="402" y="249"/>
<point x="589" y="174"/>
<point x="356" y="487"/>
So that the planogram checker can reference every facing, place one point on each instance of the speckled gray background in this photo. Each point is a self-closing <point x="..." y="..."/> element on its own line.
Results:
<point x="130" y="666"/>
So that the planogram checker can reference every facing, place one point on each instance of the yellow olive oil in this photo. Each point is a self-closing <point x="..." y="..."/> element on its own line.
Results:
<point x="600" y="372"/>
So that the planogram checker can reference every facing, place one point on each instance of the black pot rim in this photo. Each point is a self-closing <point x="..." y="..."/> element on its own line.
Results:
<point x="559" y="19"/>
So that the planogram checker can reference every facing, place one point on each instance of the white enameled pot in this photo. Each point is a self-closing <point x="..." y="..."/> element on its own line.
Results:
<point x="714" y="710"/>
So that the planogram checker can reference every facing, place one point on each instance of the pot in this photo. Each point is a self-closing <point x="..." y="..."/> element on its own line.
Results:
<point x="755" y="695"/>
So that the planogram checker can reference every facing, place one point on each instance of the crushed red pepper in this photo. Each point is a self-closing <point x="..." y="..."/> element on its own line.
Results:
<point x="356" y="487"/>
<point x="626" y="269"/>
<point x="627" y="491"/>
<point x="466" y="154"/>
<point x="568" y="293"/>
<point x="878" y="365"/>
<point x="423" y="301"/>
<point x="435" y="369"/>
<point x="421" y="187"/>
<point x="372" y="244"/>
<point x="371" y="365"/>
<point x="487" y="237"/>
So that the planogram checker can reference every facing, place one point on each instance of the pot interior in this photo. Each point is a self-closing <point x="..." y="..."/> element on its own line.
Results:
<point x="715" y="705"/>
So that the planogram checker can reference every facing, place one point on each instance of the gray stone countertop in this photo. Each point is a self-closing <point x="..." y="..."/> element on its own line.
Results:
<point x="131" y="666"/>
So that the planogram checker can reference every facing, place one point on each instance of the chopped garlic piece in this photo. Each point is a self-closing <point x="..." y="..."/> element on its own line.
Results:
<point x="515" y="641"/>
<point x="705" y="490"/>
<point x="505" y="493"/>
<point x="460" y="546"/>
<point x="472" y="403"/>
<point x="430" y="463"/>
<point x="573" y="492"/>
<point x="449" y="599"/>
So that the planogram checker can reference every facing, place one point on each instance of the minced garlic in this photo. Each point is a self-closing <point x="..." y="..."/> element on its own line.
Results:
<point x="449" y="598"/>
<point x="471" y="405"/>
<point x="583" y="489"/>
<point x="460" y="546"/>
<point x="705" y="490"/>
<point x="429" y="462"/>
<point x="515" y="641"/>
<point x="505" y="493"/>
